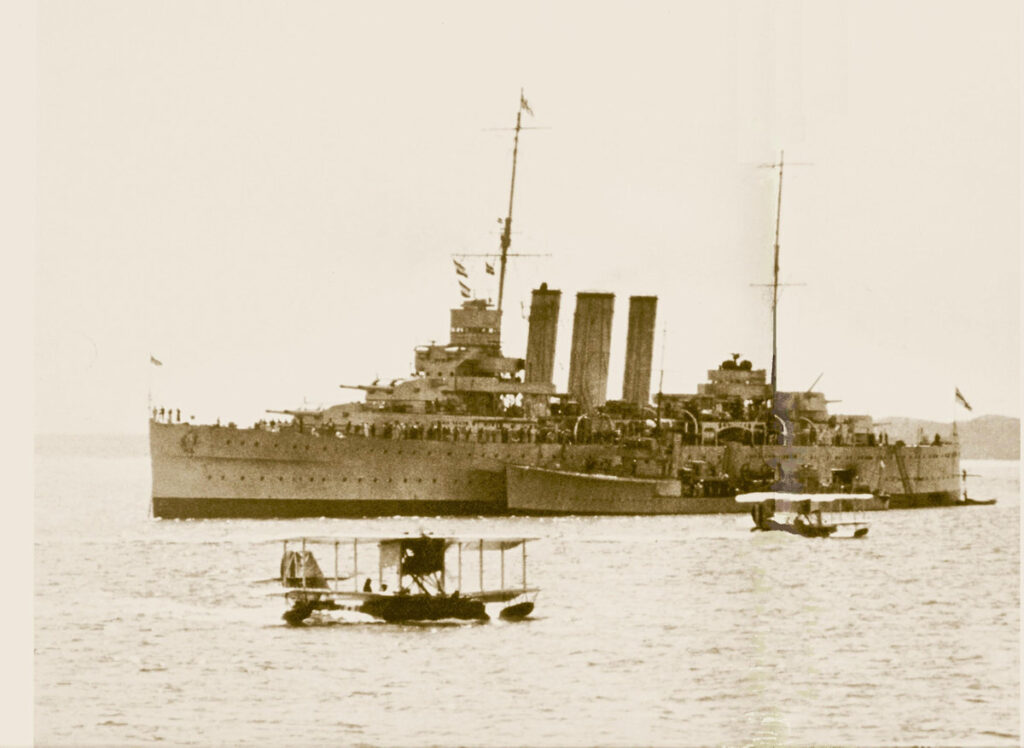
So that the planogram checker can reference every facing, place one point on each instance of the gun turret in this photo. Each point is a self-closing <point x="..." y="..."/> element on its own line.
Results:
<point x="297" y="413"/>
<point x="368" y="387"/>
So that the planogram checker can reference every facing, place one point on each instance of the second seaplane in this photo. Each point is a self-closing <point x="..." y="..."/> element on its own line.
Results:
<point x="811" y="515"/>
<point x="412" y="575"/>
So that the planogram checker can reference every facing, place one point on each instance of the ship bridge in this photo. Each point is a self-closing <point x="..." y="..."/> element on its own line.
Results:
<point x="476" y="324"/>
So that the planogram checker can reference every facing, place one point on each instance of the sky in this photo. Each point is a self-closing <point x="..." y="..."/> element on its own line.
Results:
<point x="266" y="196"/>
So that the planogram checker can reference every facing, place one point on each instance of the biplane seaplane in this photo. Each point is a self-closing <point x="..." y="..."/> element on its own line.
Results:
<point x="416" y="567"/>
<point x="810" y="515"/>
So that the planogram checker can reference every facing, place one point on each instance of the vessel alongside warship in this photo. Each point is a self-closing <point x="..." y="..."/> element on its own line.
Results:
<point x="475" y="432"/>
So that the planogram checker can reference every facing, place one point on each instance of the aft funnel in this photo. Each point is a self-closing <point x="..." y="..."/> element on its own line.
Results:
<point x="636" y="380"/>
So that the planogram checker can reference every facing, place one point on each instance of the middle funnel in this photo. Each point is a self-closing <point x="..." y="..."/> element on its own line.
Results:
<point x="591" y="348"/>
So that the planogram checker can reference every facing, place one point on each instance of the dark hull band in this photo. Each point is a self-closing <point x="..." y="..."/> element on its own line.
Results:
<point x="181" y="508"/>
<point x="178" y="508"/>
<point x="924" y="500"/>
<point x="729" y="506"/>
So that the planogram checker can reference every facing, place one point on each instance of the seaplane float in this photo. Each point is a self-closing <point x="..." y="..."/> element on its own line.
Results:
<point x="417" y="570"/>
<point x="835" y="515"/>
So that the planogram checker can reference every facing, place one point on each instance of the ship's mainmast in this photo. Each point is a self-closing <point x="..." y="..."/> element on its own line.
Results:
<point x="775" y="287"/>
<point x="506" y="234"/>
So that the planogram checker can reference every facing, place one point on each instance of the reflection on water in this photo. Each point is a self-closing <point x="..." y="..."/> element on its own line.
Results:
<point x="653" y="631"/>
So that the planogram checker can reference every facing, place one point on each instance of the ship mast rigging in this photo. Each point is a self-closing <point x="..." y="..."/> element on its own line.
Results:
<point x="775" y="279"/>
<point x="775" y="287"/>
<point x="506" y="233"/>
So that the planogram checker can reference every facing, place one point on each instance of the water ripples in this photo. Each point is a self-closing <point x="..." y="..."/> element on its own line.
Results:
<point x="652" y="631"/>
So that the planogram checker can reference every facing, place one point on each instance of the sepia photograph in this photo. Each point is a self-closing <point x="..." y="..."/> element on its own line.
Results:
<point x="545" y="374"/>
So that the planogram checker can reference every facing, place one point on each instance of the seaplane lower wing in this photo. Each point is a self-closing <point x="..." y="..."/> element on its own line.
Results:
<point x="500" y="596"/>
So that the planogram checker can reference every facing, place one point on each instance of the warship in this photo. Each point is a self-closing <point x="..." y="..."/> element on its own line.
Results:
<point x="475" y="432"/>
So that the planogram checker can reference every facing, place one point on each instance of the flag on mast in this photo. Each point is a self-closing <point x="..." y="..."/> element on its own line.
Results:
<point x="962" y="400"/>
<point x="464" y="289"/>
<point x="460" y="269"/>
<point x="524" y="105"/>
<point x="154" y="361"/>
<point x="489" y="268"/>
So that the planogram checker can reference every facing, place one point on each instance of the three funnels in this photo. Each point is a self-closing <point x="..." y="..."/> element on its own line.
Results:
<point x="591" y="345"/>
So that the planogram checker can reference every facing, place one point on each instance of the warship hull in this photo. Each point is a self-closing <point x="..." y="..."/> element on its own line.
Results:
<point x="219" y="472"/>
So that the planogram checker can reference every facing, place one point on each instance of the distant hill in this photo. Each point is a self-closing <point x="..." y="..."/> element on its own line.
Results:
<point x="981" y="438"/>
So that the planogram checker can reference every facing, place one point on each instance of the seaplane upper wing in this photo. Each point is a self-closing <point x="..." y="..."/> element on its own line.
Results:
<point x="490" y="544"/>
<point x="785" y="502"/>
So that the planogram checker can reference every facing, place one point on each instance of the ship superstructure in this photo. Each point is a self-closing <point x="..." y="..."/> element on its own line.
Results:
<point x="443" y="440"/>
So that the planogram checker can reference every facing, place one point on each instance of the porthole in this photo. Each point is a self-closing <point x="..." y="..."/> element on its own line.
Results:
<point x="310" y="480"/>
<point x="229" y="441"/>
<point x="222" y="477"/>
<point x="241" y="477"/>
<point x="261" y="477"/>
<point x="255" y="444"/>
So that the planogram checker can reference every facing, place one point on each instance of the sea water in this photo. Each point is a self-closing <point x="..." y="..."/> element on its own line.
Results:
<point x="648" y="630"/>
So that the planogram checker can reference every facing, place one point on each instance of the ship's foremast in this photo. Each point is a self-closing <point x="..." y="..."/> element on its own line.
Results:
<point x="506" y="233"/>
